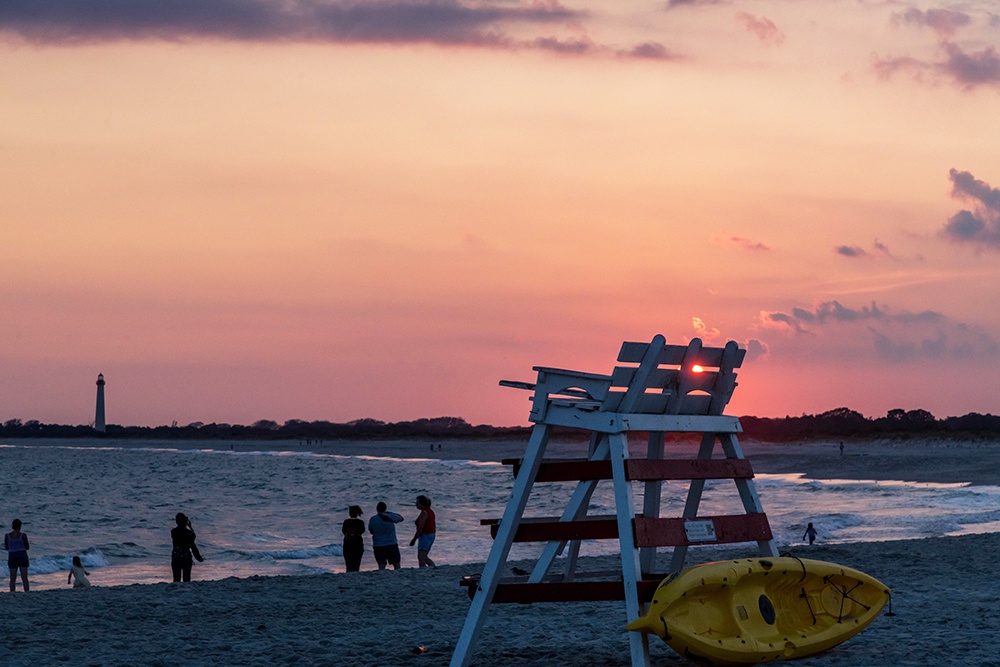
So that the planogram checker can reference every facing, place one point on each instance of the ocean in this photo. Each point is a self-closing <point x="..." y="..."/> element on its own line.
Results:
<point x="259" y="511"/>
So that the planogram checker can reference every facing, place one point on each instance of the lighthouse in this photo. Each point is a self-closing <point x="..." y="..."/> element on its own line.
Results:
<point x="99" y="415"/>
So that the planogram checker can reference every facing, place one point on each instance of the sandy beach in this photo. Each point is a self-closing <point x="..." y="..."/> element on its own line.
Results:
<point x="943" y="594"/>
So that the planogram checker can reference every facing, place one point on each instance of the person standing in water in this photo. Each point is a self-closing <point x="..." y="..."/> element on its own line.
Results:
<point x="810" y="533"/>
<point x="426" y="531"/>
<point x="16" y="544"/>
<point x="184" y="547"/>
<point x="354" y="543"/>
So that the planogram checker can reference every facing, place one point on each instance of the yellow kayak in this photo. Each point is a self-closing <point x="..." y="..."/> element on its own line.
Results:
<point x="742" y="612"/>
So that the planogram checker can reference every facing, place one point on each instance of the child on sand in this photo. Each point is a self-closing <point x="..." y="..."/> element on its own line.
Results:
<point x="81" y="574"/>
<point x="810" y="533"/>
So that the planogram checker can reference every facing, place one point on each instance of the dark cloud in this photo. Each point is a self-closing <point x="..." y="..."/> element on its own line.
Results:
<point x="972" y="69"/>
<point x="895" y="336"/>
<point x="649" y="51"/>
<point x="761" y="27"/>
<point x="981" y="225"/>
<point x="445" y="21"/>
<point x="969" y="70"/>
<point x="480" y="23"/>
<point x="878" y="249"/>
<point x="850" y="251"/>
<point x="945" y="22"/>
<point x="756" y="349"/>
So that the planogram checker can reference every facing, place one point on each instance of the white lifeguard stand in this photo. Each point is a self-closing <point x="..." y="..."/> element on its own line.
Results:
<point x="662" y="389"/>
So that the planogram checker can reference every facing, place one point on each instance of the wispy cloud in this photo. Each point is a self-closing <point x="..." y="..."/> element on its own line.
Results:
<point x="975" y="64"/>
<point x="944" y="22"/>
<point x="967" y="69"/>
<point x="756" y="349"/>
<point x="741" y="242"/>
<point x="671" y="4"/>
<point x="761" y="27"/>
<point x="495" y="24"/>
<point x="707" y="333"/>
<point x="894" y="335"/>
<point x="879" y="249"/>
<point x="981" y="225"/>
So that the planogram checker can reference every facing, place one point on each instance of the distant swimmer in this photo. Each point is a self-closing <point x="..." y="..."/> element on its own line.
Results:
<point x="79" y="574"/>
<point x="810" y="533"/>
<point x="16" y="544"/>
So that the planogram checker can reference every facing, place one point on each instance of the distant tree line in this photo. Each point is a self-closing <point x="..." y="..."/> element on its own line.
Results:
<point x="839" y="423"/>
<point x="845" y="423"/>
<point x="266" y="429"/>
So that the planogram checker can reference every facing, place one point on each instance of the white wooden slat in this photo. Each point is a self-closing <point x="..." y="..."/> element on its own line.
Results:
<point x="631" y="570"/>
<point x="616" y="422"/>
<point x="637" y="387"/>
<point x="631" y="352"/>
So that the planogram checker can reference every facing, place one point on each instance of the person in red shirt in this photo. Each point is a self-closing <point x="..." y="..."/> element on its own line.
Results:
<point x="426" y="531"/>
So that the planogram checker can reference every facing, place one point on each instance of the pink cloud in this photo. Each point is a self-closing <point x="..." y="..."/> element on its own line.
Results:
<point x="762" y="28"/>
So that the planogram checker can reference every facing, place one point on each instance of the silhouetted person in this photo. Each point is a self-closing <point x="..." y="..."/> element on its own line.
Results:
<point x="810" y="533"/>
<point x="426" y="531"/>
<point x="354" y="543"/>
<point x="16" y="544"/>
<point x="79" y="573"/>
<point x="182" y="537"/>
<point x="385" y="547"/>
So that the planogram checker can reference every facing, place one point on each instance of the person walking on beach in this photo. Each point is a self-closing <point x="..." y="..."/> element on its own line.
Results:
<point x="183" y="537"/>
<point x="385" y="546"/>
<point x="16" y="544"/>
<point x="426" y="531"/>
<point x="81" y="574"/>
<point x="810" y="533"/>
<point x="354" y="543"/>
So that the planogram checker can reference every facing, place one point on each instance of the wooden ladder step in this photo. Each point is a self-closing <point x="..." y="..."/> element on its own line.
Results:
<point x="564" y="591"/>
<point x="649" y="532"/>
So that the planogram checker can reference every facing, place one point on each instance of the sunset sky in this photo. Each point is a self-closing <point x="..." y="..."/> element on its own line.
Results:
<point x="322" y="209"/>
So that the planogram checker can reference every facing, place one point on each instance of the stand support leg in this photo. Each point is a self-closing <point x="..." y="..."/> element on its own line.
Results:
<point x="501" y="546"/>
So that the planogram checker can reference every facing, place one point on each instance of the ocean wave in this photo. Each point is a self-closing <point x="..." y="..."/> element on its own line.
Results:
<point x="301" y="553"/>
<point x="49" y="563"/>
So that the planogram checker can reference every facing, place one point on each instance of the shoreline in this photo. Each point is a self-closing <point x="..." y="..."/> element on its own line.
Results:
<point x="379" y="618"/>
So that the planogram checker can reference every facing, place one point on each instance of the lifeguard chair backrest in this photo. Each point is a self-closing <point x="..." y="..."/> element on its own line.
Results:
<point x="674" y="379"/>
